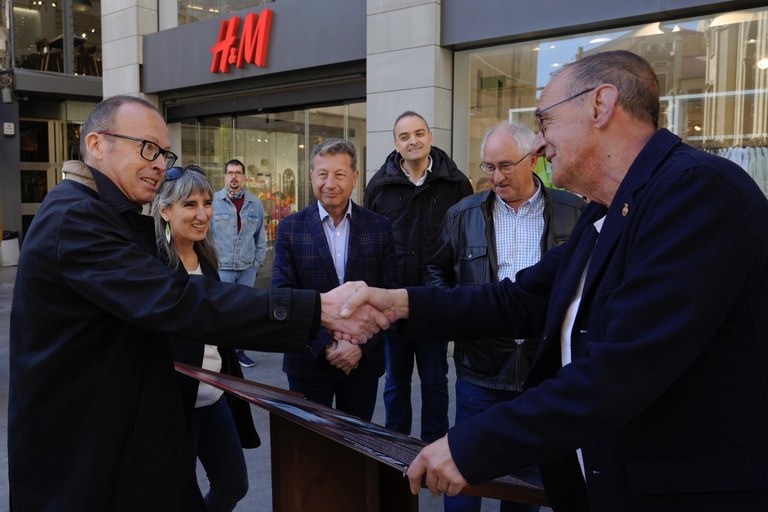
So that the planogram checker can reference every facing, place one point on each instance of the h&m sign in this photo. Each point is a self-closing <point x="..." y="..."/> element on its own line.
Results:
<point x="250" y="47"/>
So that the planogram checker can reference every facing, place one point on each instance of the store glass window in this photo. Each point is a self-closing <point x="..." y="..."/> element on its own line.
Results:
<point x="275" y="148"/>
<point x="713" y="73"/>
<point x="191" y="11"/>
<point x="38" y="37"/>
<point x="86" y="38"/>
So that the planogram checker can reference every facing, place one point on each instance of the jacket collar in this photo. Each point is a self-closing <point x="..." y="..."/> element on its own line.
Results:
<point x="642" y="170"/>
<point x="112" y="195"/>
<point x="79" y="172"/>
<point x="221" y="194"/>
<point x="441" y="168"/>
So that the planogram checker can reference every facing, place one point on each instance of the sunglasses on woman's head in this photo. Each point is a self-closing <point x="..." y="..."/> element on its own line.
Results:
<point x="175" y="173"/>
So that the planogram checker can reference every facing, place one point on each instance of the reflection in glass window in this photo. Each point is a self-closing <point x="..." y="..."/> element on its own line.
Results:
<point x="87" y="37"/>
<point x="713" y="73"/>
<point x="191" y="11"/>
<point x="37" y="34"/>
<point x="38" y="29"/>
<point x="34" y="186"/>
<point x="33" y="141"/>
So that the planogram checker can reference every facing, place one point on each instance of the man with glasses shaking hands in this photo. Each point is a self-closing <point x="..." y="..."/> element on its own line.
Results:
<point x="95" y="418"/>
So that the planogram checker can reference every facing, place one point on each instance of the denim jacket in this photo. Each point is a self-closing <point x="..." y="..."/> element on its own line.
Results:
<point x="239" y="251"/>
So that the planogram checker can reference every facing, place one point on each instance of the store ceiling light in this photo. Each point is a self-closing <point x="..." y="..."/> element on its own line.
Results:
<point x="81" y="5"/>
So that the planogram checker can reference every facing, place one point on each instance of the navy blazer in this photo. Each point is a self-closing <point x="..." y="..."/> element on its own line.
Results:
<point x="303" y="260"/>
<point x="667" y="394"/>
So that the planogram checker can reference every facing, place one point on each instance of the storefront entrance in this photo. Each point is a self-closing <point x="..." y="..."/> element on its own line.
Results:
<point x="275" y="149"/>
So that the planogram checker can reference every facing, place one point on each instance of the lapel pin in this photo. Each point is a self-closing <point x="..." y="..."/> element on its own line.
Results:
<point x="625" y="210"/>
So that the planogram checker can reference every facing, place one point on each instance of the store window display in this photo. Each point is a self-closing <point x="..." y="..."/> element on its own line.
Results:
<point x="713" y="73"/>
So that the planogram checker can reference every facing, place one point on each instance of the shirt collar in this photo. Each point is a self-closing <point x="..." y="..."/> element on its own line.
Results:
<point x="423" y="177"/>
<point x="599" y="223"/>
<point x="531" y="201"/>
<point x="324" y="213"/>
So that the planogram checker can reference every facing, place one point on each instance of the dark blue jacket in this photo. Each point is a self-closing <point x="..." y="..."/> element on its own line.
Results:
<point x="303" y="260"/>
<point x="667" y="393"/>
<point x="415" y="212"/>
<point x="95" y="420"/>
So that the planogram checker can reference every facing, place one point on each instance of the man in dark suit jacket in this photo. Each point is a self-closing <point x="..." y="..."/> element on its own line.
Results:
<point x="328" y="243"/>
<point x="650" y="389"/>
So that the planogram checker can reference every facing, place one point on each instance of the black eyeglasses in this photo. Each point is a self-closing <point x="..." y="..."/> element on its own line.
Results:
<point x="505" y="168"/>
<point x="149" y="150"/>
<point x="540" y="121"/>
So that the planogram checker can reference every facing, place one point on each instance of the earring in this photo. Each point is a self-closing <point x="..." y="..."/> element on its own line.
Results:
<point x="168" y="232"/>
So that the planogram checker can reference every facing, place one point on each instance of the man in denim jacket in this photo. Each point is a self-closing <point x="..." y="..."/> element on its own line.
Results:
<point x="238" y="232"/>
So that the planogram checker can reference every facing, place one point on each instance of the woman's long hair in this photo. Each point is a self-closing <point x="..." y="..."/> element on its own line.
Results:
<point x="191" y="181"/>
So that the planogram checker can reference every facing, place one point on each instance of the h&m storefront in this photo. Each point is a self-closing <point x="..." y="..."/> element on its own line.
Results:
<point x="348" y="68"/>
<point x="313" y="72"/>
<point x="285" y="95"/>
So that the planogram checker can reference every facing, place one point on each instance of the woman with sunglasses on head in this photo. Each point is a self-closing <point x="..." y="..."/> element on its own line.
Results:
<point x="220" y="426"/>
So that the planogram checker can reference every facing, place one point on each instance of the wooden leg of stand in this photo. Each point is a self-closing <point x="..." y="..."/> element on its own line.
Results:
<point x="312" y="472"/>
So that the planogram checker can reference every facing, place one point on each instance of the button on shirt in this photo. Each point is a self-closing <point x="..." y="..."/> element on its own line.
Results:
<point x="337" y="237"/>
<point x="518" y="234"/>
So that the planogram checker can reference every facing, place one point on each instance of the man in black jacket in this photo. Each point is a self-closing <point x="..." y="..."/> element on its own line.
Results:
<point x="488" y="237"/>
<point x="95" y="419"/>
<point x="413" y="189"/>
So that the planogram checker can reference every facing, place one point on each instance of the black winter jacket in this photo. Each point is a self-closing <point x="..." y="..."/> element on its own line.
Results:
<point x="415" y="212"/>
<point x="464" y="257"/>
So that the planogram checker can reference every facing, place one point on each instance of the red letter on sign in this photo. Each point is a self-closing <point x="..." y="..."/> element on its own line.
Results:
<point x="225" y="45"/>
<point x="255" y="40"/>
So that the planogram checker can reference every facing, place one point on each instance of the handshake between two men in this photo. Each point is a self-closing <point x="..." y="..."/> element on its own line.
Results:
<point x="355" y="312"/>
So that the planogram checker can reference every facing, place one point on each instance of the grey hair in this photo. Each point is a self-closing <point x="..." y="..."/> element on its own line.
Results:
<point x="631" y="74"/>
<point x="520" y="134"/>
<point x="334" y="147"/>
<point x="102" y="117"/>
<point x="192" y="181"/>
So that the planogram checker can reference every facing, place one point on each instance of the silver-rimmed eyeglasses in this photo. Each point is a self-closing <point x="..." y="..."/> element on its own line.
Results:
<point x="541" y="122"/>
<point x="149" y="150"/>
<point x="505" y="168"/>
